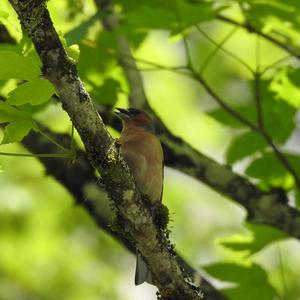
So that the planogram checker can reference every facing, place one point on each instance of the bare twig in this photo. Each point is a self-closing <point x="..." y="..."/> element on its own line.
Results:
<point x="261" y="128"/>
<point x="274" y="64"/>
<point x="180" y="155"/>
<point x="135" y="220"/>
<point x="258" y="101"/>
<point x="283" y="45"/>
<point x="281" y="157"/>
<point x="220" y="46"/>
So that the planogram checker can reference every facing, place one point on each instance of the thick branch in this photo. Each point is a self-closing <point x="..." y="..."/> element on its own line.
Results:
<point x="269" y="208"/>
<point x="136" y="221"/>
<point x="64" y="172"/>
<point x="263" y="208"/>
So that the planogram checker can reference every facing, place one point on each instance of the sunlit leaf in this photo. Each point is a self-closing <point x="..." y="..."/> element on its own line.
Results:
<point x="96" y="56"/>
<point x="172" y="15"/>
<point x="270" y="170"/>
<point x="81" y="31"/>
<point x="272" y="109"/>
<point x="34" y="92"/>
<point x="19" y="126"/>
<point x="13" y="65"/>
<point x="107" y="94"/>
<point x="74" y="52"/>
<point x="3" y="16"/>
<point x="16" y="131"/>
<point x="263" y="236"/>
<point x="224" y="117"/>
<point x="286" y="86"/>
<point x="261" y="11"/>
<point x="245" y="145"/>
<point x="8" y="113"/>
<point x="252" y="282"/>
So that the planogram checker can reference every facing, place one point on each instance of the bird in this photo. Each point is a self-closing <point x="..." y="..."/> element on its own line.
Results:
<point x="143" y="153"/>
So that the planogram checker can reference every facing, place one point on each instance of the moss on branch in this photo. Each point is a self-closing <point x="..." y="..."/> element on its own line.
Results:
<point x="119" y="183"/>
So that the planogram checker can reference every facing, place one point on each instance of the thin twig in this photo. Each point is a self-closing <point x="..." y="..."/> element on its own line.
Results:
<point x="154" y="64"/>
<point x="261" y="128"/>
<point x="257" y="97"/>
<point x="44" y="155"/>
<point x="257" y="77"/>
<point x="221" y="102"/>
<point x="52" y="140"/>
<point x="235" y="57"/>
<point x="257" y="54"/>
<point x="283" y="45"/>
<point x="282" y="158"/>
<point x="275" y="63"/>
<point x="216" y="50"/>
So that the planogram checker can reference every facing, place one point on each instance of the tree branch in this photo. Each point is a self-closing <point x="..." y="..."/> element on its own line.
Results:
<point x="262" y="130"/>
<point x="135" y="220"/>
<point x="180" y="155"/>
<point x="268" y="208"/>
<point x="64" y="172"/>
<point x="283" y="45"/>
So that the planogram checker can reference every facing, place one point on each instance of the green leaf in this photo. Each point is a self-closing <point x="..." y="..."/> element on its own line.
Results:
<point x="3" y="16"/>
<point x="8" y="113"/>
<point x="163" y="15"/>
<point x="271" y="171"/>
<point x="107" y="94"/>
<point x="20" y="123"/>
<point x="81" y="31"/>
<point x="245" y="145"/>
<point x="227" y="119"/>
<point x="192" y="13"/>
<point x="74" y="52"/>
<point x="286" y="85"/>
<point x="34" y="92"/>
<point x="252" y="281"/>
<point x="97" y="56"/>
<point x="261" y="11"/>
<point x="272" y="110"/>
<point x="16" y="131"/>
<point x="262" y="236"/>
<point x="13" y="65"/>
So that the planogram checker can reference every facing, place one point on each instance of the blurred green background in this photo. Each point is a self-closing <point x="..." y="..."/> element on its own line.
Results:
<point x="52" y="249"/>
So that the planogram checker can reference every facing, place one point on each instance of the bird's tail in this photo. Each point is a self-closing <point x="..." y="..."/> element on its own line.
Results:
<point x="142" y="272"/>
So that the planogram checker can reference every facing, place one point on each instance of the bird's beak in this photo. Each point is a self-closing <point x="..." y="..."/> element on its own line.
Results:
<point x="122" y="113"/>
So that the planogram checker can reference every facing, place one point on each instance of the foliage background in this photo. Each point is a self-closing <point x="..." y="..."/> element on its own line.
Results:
<point x="51" y="249"/>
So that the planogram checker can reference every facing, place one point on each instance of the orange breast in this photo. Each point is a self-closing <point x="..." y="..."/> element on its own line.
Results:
<point x="144" y="156"/>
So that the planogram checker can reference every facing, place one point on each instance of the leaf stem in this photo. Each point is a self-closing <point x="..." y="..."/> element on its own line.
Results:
<point x="43" y="155"/>
<point x="219" y="47"/>
<point x="293" y="51"/>
<point x="51" y="139"/>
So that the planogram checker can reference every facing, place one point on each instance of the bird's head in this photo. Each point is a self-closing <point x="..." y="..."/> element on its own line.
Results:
<point x="135" y="117"/>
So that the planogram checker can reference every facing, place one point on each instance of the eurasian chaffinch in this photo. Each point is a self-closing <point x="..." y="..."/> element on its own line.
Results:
<point x="143" y="153"/>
